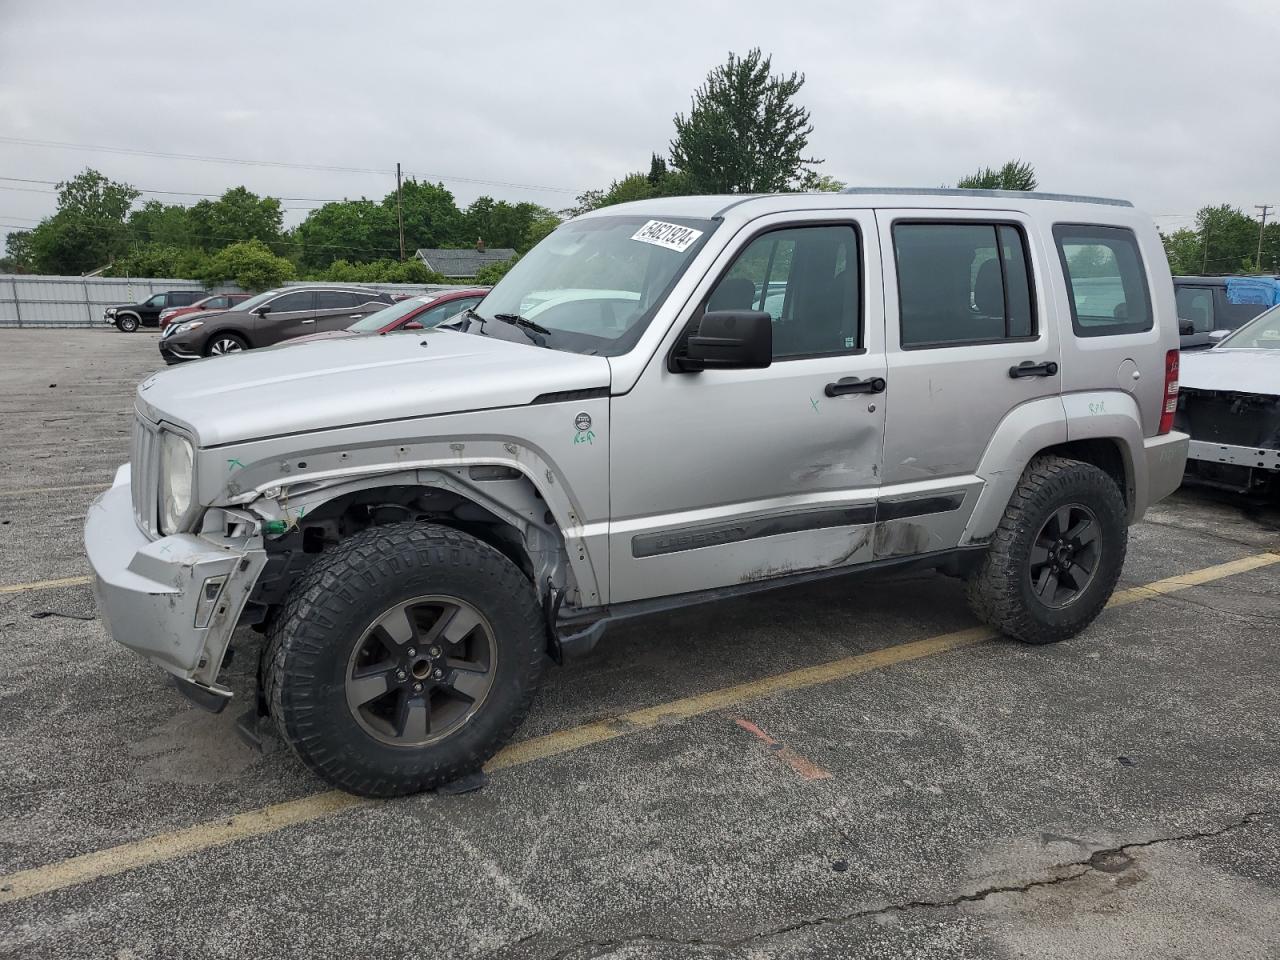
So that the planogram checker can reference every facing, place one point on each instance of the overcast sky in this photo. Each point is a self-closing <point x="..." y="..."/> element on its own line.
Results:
<point x="1170" y="104"/>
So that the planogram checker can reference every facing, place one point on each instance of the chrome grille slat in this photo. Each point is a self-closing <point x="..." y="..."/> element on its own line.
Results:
<point x="144" y="468"/>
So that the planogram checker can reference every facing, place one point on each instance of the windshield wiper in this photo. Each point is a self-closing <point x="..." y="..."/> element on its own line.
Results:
<point x="470" y="314"/>
<point x="528" y="326"/>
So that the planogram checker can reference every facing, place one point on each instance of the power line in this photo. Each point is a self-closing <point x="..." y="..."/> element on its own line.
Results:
<point x="327" y="168"/>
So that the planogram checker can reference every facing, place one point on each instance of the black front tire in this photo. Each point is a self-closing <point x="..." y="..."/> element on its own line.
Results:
<point x="329" y="613"/>
<point x="127" y="324"/>
<point x="1002" y="590"/>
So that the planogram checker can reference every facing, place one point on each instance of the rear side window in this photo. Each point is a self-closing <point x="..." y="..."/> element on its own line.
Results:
<point x="962" y="283"/>
<point x="1106" y="281"/>
<point x="335" y="300"/>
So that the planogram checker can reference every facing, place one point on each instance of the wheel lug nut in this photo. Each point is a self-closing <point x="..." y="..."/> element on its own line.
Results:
<point x="411" y="652"/>
<point x="417" y="688"/>
<point x="437" y="673"/>
<point x="435" y="651"/>
<point x="400" y="674"/>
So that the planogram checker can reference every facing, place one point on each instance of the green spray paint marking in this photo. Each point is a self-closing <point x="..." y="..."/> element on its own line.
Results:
<point x="815" y="404"/>
<point x="232" y="464"/>
<point x="586" y="437"/>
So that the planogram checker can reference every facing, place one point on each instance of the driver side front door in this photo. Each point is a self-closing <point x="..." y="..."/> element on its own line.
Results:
<point x="291" y="315"/>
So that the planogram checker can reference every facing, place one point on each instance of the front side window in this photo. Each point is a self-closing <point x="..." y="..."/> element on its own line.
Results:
<point x="1196" y="304"/>
<point x="962" y="282"/>
<point x="807" y="280"/>
<point x="216" y="303"/>
<point x="596" y="283"/>
<point x="292" y="302"/>
<point x="156" y="301"/>
<point x="1106" y="281"/>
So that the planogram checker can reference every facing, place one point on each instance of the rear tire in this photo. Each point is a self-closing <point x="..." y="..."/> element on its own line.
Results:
<point x="127" y="323"/>
<point x="221" y="344"/>
<point x="404" y="659"/>
<point x="1056" y="556"/>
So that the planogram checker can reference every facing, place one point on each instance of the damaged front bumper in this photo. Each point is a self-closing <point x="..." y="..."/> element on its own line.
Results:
<point x="174" y="600"/>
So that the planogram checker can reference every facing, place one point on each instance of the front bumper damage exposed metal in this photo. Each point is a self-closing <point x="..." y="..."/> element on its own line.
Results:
<point x="153" y="595"/>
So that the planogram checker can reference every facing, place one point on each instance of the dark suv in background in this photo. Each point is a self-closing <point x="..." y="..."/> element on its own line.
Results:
<point x="130" y="316"/>
<point x="1203" y="301"/>
<point x="269" y="318"/>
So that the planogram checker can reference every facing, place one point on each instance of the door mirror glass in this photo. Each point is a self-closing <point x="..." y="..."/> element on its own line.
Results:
<point x="1186" y="327"/>
<point x="729" y="340"/>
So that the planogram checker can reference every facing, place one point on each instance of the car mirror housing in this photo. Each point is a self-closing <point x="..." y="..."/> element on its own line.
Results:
<point x="728" y="340"/>
<point x="263" y="310"/>
<point x="413" y="325"/>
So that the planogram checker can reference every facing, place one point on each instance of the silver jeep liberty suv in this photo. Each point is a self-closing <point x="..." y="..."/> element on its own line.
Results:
<point x="663" y="403"/>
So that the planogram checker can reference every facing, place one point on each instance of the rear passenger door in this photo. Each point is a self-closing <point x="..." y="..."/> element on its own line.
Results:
<point x="970" y="337"/>
<point x="337" y="309"/>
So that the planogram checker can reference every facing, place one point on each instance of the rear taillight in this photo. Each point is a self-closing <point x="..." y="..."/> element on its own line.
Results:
<point x="1170" y="396"/>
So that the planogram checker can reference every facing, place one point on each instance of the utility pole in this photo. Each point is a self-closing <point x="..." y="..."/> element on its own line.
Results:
<point x="1265" y="208"/>
<point x="399" y="211"/>
<point x="1204" y="258"/>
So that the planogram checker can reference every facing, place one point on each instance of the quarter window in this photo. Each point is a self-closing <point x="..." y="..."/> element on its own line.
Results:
<point x="1106" y="282"/>
<point x="807" y="280"/>
<point x="962" y="283"/>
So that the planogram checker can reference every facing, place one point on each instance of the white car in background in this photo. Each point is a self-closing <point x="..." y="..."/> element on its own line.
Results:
<point x="1229" y="402"/>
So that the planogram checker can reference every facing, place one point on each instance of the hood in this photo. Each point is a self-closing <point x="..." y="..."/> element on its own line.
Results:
<point x="322" y="335"/>
<point x="295" y="388"/>
<point x="1237" y="371"/>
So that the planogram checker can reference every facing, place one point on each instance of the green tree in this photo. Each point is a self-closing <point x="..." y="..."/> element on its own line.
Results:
<point x="88" y="230"/>
<point x="20" y="257"/>
<point x="161" y="260"/>
<point x="491" y="273"/>
<point x="251" y="264"/>
<point x="813" y="182"/>
<point x="239" y="214"/>
<point x="431" y="216"/>
<point x="157" y="222"/>
<point x="379" y="271"/>
<point x="1182" y="249"/>
<point x="1014" y="175"/>
<point x="356" y="230"/>
<point x="744" y="132"/>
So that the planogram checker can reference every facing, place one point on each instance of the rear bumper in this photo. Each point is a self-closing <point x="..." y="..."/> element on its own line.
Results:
<point x="1258" y="458"/>
<point x="1166" y="458"/>
<point x="152" y="594"/>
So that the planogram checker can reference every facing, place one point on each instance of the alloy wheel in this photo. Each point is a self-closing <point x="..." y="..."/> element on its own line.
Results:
<point x="225" y="346"/>
<point x="1065" y="555"/>
<point x="421" y="671"/>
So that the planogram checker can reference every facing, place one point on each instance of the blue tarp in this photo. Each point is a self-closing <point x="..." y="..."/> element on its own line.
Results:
<point x="1264" y="290"/>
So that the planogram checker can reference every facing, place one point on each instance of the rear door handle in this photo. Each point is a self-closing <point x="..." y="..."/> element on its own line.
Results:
<point x="312" y="320"/>
<point x="1029" y="369"/>
<point x="355" y="316"/>
<point x="854" y="385"/>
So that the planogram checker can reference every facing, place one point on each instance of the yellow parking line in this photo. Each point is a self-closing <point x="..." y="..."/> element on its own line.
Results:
<point x="44" y="585"/>
<point x="266" y="820"/>
<point x="27" y="491"/>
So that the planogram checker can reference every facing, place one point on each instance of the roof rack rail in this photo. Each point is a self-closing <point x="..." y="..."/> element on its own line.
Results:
<point x="997" y="194"/>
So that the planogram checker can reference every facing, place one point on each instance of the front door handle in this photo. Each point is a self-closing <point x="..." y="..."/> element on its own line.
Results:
<point x="309" y="321"/>
<point x="1029" y="369"/>
<point x="854" y="385"/>
<point x="355" y="316"/>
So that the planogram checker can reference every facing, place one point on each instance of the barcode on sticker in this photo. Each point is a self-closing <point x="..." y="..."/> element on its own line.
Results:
<point x="669" y="235"/>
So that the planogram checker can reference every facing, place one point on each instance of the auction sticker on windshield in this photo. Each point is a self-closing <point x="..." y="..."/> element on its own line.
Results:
<point x="669" y="235"/>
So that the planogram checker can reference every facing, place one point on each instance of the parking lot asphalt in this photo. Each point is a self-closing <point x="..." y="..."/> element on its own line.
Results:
<point x="846" y="769"/>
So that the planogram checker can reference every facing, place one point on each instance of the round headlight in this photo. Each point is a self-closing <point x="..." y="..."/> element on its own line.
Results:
<point x="176" y="456"/>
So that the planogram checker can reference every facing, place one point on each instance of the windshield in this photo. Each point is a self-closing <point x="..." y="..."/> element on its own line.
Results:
<point x="1263" y="331"/>
<point x="595" y="284"/>
<point x="259" y="300"/>
<point x="376" y="321"/>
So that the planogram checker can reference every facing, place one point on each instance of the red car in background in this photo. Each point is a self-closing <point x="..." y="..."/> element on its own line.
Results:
<point x="219" y="301"/>
<point x="412" y="313"/>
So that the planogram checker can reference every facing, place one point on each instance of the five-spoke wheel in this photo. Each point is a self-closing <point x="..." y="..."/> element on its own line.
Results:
<point x="1064" y="556"/>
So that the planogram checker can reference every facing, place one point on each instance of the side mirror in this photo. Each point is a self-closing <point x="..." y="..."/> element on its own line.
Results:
<point x="728" y="340"/>
<point x="263" y="310"/>
<point x="1185" y="327"/>
<point x="413" y="325"/>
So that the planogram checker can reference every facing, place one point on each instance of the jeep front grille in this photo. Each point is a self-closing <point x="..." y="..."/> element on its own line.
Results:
<point x="144" y="460"/>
